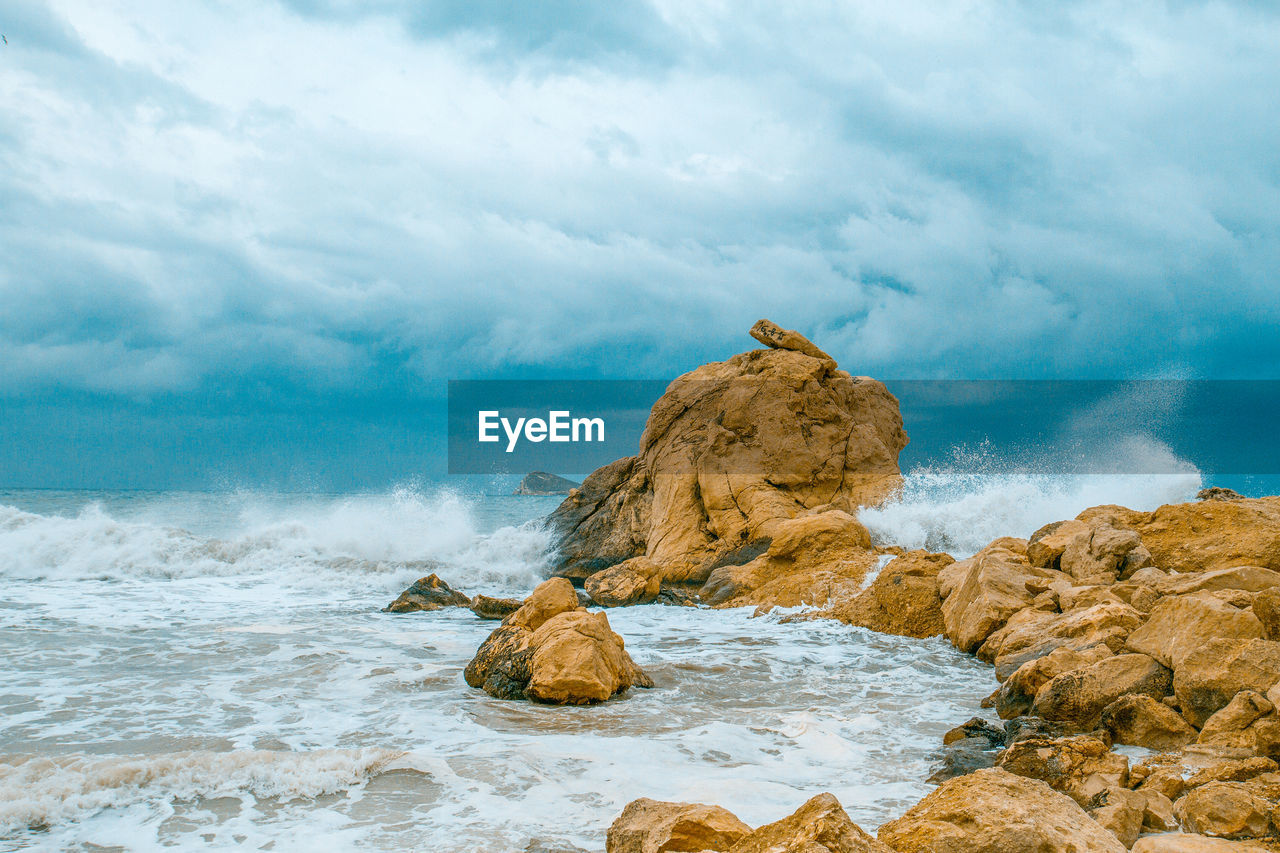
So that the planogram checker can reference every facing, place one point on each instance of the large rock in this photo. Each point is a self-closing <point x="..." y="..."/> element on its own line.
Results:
<point x="1179" y="842"/>
<point x="1121" y="812"/>
<point x="1224" y="810"/>
<point x="1174" y="773"/>
<point x="990" y="587"/>
<point x="488" y="607"/>
<point x="1181" y="624"/>
<point x="1031" y="634"/>
<point x="903" y="599"/>
<point x="1136" y="719"/>
<point x="633" y="581"/>
<point x="651" y="826"/>
<point x="429" y="593"/>
<point x="1080" y="767"/>
<point x="819" y="826"/>
<point x="993" y="811"/>
<point x="1247" y="722"/>
<point x="1243" y="578"/>
<point x="1208" y="677"/>
<point x="552" y="650"/>
<point x="1018" y="692"/>
<point x="1198" y="537"/>
<point x="1078" y="698"/>
<point x="729" y="450"/>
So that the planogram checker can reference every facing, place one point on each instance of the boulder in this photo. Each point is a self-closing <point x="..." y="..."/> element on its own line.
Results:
<point x="1046" y="545"/>
<point x="818" y="826"/>
<point x="1244" y="578"/>
<point x="1018" y="692"/>
<point x="651" y="826"/>
<point x="729" y="450"/>
<point x="1181" y="624"/>
<point x="1208" y="535"/>
<point x="551" y="650"/>
<point x="1218" y="493"/>
<point x="1176" y="772"/>
<point x="487" y="607"/>
<point x="976" y="727"/>
<point x="775" y="337"/>
<point x="903" y="599"/>
<point x="429" y="593"/>
<point x="1224" y="810"/>
<point x="542" y="483"/>
<point x="1080" y="767"/>
<point x="991" y="586"/>
<point x="633" y="581"/>
<point x="1208" y="677"/>
<point x="1266" y="606"/>
<point x="1248" y="722"/>
<point x="1183" y="843"/>
<point x="969" y="753"/>
<point x="1119" y="811"/>
<point x="1030" y="635"/>
<point x="1102" y="553"/>
<point x="993" y="811"/>
<point x="1136" y="719"/>
<point x="1078" y="698"/>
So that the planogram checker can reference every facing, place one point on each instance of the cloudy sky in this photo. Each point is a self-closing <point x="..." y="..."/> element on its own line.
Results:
<point x="280" y="227"/>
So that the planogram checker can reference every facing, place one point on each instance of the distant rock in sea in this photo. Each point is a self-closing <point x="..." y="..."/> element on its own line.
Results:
<point x="542" y="483"/>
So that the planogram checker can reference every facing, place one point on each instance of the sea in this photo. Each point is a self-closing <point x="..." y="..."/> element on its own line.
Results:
<point x="213" y="670"/>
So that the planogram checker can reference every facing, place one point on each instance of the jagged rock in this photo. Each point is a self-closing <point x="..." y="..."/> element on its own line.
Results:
<point x="1157" y="815"/>
<point x="775" y="337"/>
<point x="1224" y="810"/>
<point x="487" y="607"/>
<point x="993" y="811"/>
<point x="976" y="728"/>
<point x="1019" y="690"/>
<point x="542" y="483"/>
<point x="1208" y="677"/>
<point x="1046" y="545"/>
<point x="1139" y="720"/>
<point x="1243" y="578"/>
<point x="1120" y="811"/>
<point x="634" y="581"/>
<point x="1174" y="773"/>
<point x="1218" y="493"/>
<point x="551" y="650"/>
<point x="1078" y="698"/>
<point x="819" y="826"/>
<point x="1179" y="625"/>
<point x="1079" y="766"/>
<point x="651" y="826"/>
<point x="1195" y="537"/>
<point x="730" y="450"/>
<point x="1183" y="843"/>
<point x="429" y="593"/>
<point x="1029" y="635"/>
<point x="903" y="599"/>
<point x="1104" y="553"/>
<point x="1023" y="728"/>
<point x="1266" y="607"/>
<point x="989" y="587"/>
<point x="1247" y="722"/>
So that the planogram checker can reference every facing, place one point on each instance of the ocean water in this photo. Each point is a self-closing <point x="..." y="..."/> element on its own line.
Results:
<point x="212" y="670"/>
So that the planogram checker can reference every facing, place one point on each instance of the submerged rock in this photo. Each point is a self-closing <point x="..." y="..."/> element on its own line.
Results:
<point x="542" y="483"/>
<point x="730" y="453"/>
<point x="651" y="826"/>
<point x="551" y="650"/>
<point x="429" y="593"/>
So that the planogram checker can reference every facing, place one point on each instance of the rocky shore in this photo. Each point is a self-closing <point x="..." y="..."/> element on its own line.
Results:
<point x="1157" y="633"/>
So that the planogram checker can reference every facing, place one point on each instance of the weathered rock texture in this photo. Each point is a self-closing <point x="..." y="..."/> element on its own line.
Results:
<point x="732" y="455"/>
<point x="552" y="650"/>
<point x="818" y="826"/>
<point x="429" y="593"/>
<point x="903" y="599"/>
<point x="651" y="826"/>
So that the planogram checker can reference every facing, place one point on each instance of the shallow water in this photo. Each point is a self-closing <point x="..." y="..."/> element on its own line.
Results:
<point x="213" y="670"/>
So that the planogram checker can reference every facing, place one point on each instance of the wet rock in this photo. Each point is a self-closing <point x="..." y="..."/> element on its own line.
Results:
<point x="651" y="826"/>
<point x="976" y="728"/>
<point x="1208" y="535"/>
<point x="903" y="599"/>
<point x="1224" y="810"/>
<point x="963" y="756"/>
<point x="1029" y="635"/>
<point x="990" y="587"/>
<point x="993" y="811"/>
<point x="1208" y="677"/>
<point x="487" y="607"/>
<point x="1176" y="772"/>
<point x="634" y="581"/>
<point x="728" y="451"/>
<point x="1139" y="720"/>
<point x="1078" y="698"/>
<point x="1181" y="624"/>
<point x="429" y="593"/>
<point x="1185" y="843"/>
<point x="1119" y="811"/>
<point x="1022" y="728"/>
<point x="674" y="596"/>
<point x="549" y="598"/>
<point x="1018" y="692"/>
<point x="542" y="483"/>
<point x="819" y="826"/>
<point x="1079" y="766"/>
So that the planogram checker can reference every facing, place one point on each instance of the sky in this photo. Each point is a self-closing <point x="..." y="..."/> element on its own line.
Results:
<point x="251" y="241"/>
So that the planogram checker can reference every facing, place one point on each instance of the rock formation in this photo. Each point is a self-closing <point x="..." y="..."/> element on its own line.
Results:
<point x="542" y="483"/>
<point x="650" y="826"/>
<point x="429" y="593"/>
<point x="748" y="474"/>
<point x="552" y="650"/>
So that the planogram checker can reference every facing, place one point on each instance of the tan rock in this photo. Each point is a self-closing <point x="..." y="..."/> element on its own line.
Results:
<point x="1157" y="812"/>
<point x="1208" y="677"/>
<point x="818" y="826"/>
<point x="1181" y="624"/>
<point x="1046" y="545"/>
<point x="728" y="450"/>
<point x="1080" y="767"/>
<point x="1026" y="636"/>
<point x="1102" y="553"/>
<point x="1018" y="692"/>
<point x="903" y="599"/>
<point x="633" y="581"/>
<point x="775" y="337"/>
<point x="550" y="598"/>
<point x="651" y="826"/>
<point x="1185" y="843"/>
<point x="991" y="589"/>
<point x="1197" y="537"/>
<point x="1078" y="698"/>
<point x="577" y="660"/>
<point x="1243" y="578"/>
<point x="1266" y="606"/>
<point x="993" y="811"/>
<point x="1224" y="810"/>
<point x="1120" y="811"/>
<point x="1176" y="772"/>
<point x="1247" y="722"/>
<point x="488" y="607"/>
<point x="1139" y="720"/>
<point x="501" y="664"/>
<point x="429" y="593"/>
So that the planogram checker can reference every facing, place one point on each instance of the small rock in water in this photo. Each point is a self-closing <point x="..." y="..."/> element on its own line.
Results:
<point x="1218" y="493"/>
<point x="429" y="593"/>
<point x="542" y="483"/>
<point x="976" y="727"/>
<point x="488" y="607"/>
<point x="962" y="757"/>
